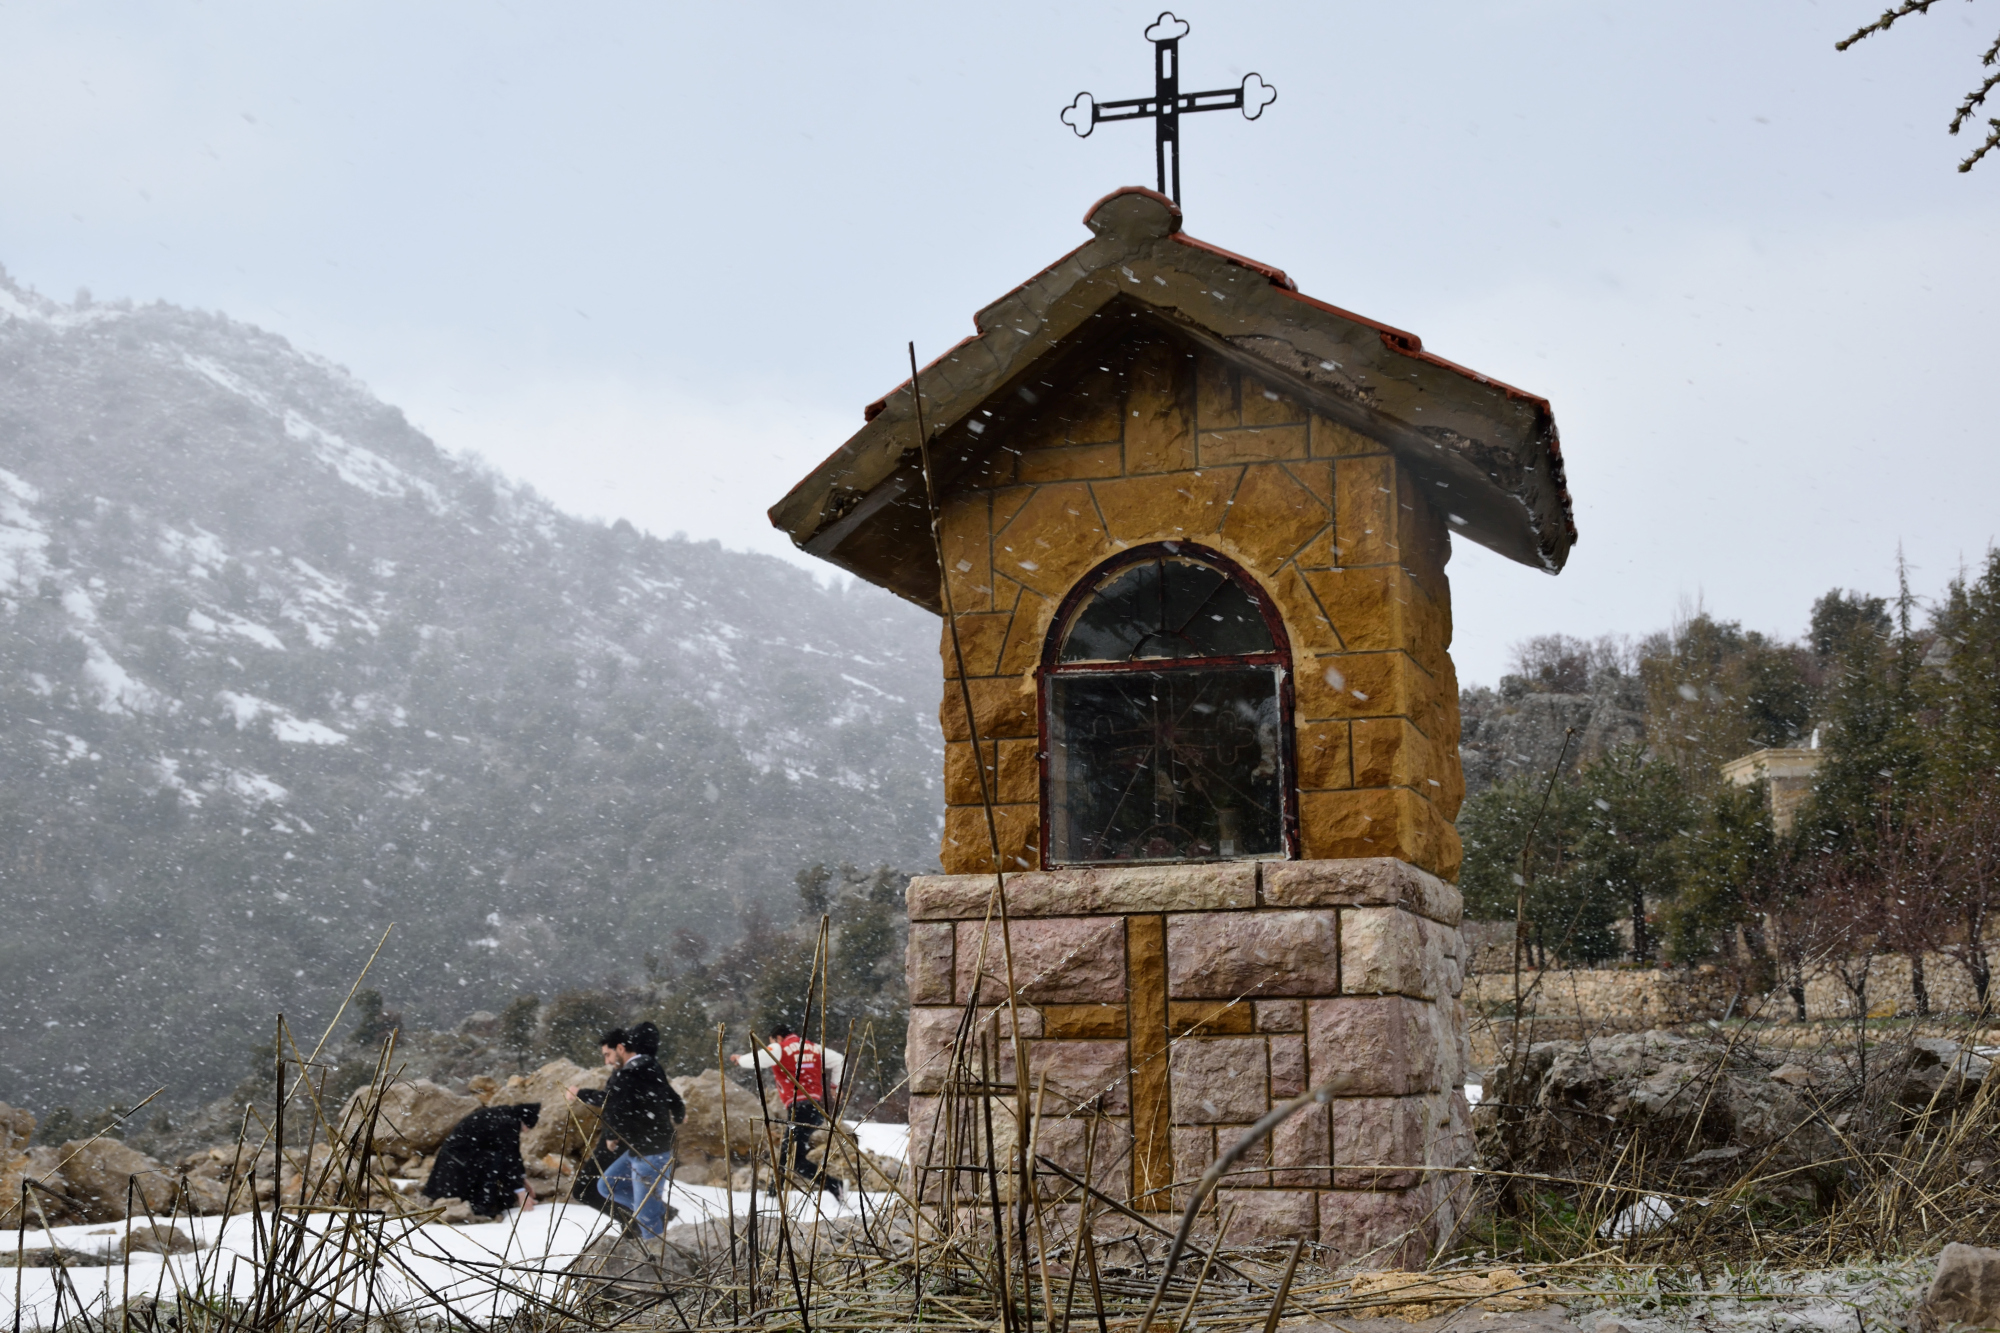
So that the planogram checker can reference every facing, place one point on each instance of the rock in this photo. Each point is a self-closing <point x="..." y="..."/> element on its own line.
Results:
<point x="1965" y="1289"/>
<point x="566" y="1128"/>
<point x="699" y="1169"/>
<point x="483" y="1086"/>
<point x="1795" y="1076"/>
<point x="17" y="1129"/>
<point x="58" y="1257"/>
<point x="204" y="1192"/>
<point x="877" y="1174"/>
<point x="702" y="1133"/>
<point x="457" y="1212"/>
<point x="1708" y="1107"/>
<point x="480" y="1023"/>
<point x="97" y="1172"/>
<point x="415" y="1115"/>
<point x="1942" y="1075"/>
<point x="635" y="1272"/>
<point x="156" y="1239"/>
<point x="35" y="1164"/>
<point x="1420" y="1296"/>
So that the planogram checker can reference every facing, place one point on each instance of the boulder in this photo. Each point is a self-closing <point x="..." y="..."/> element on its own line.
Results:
<point x="693" y="1168"/>
<point x="153" y="1238"/>
<point x="205" y="1193"/>
<point x="636" y="1272"/>
<point x="850" y="1161"/>
<point x="1942" y="1075"/>
<point x="480" y="1023"/>
<point x="17" y="1129"/>
<point x="633" y="1271"/>
<point x="97" y="1173"/>
<point x="1710" y="1109"/>
<point x="35" y="1164"/>
<point x="701" y="1135"/>
<point x="566" y="1127"/>
<point x="415" y="1115"/>
<point x="1965" y="1290"/>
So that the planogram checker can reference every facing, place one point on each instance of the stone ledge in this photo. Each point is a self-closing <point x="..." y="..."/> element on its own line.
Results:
<point x="1099" y="891"/>
<point x="1373" y="881"/>
<point x="1369" y="881"/>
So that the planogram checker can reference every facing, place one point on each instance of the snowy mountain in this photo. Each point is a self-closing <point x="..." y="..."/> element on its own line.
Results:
<point x="276" y="672"/>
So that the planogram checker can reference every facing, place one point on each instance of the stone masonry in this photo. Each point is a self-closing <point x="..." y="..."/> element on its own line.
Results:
<point x="1174" y="1005"/>
<point x="1149" y="387"/>
<point x="1160" y="441"/>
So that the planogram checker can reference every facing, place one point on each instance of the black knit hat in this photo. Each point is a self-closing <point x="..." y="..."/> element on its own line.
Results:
<point x="643" y="1038"/>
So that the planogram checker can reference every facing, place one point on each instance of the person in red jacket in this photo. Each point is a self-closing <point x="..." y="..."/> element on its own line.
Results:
<point x="808" y="1076"/>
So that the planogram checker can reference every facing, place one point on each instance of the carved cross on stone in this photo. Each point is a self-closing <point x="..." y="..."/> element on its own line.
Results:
<point x="1168" y="103"/>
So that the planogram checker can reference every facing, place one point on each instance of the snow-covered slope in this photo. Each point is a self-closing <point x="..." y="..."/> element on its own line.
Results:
<point x="275" y="673"/>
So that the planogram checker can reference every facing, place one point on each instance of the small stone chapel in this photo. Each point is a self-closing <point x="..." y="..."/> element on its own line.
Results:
<point x="1194" y="528"/>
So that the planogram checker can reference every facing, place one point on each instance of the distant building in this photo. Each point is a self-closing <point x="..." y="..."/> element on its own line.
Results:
<point x="1787" y="774"/>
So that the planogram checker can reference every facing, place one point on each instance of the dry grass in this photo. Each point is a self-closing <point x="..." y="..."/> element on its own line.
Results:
<point x="1877" y="1159"/>
<point x="988" y="1234"/>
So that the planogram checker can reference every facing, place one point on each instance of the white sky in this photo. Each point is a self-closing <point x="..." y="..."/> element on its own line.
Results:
<point x="654" y="258"/>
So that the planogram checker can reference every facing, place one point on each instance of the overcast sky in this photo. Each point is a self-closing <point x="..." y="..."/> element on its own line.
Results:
<point x="654" y="258"/>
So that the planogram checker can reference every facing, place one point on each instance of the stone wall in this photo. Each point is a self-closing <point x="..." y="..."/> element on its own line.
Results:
<point x="1620" y="996"/>
<point x="1172" y="1006"/>
<point x="1160" y="441"/>
<point x="1889" y="993"/>
<point x="1631" y="996"/>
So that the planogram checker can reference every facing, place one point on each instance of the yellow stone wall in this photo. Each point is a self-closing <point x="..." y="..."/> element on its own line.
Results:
<point x="1170" y="442"/>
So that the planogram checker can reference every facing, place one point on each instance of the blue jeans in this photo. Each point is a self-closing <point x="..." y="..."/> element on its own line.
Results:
<point x="634" y="1182"/>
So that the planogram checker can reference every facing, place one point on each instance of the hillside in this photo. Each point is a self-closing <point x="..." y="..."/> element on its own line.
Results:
<point x="276" y="672"/>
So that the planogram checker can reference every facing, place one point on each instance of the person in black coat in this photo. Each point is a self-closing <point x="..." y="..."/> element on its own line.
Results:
<point x="638" y="1108"/>
<point x="480" y="1160"/>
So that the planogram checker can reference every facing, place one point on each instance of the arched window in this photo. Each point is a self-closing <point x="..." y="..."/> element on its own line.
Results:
<point x="1166" y="715"/>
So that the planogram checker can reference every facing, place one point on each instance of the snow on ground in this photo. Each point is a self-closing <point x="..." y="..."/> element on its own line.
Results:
<point x="482" y="1270"/>
<point x="891" y="1141"/>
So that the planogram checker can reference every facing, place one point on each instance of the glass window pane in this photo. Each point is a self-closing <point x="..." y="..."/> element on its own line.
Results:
<point x="1167" y="608"/>
<point x="1175" y="765"/>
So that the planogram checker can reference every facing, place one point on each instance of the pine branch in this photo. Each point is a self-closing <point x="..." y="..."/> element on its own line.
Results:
<point x="1992" y="141"/>
<point x="1886" y="22"/>
<point x="1973" y="100"/>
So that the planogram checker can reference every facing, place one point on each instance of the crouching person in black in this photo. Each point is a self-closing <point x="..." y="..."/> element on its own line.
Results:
<point x="480" y="1160"/>
<point x="640" y="1109"/>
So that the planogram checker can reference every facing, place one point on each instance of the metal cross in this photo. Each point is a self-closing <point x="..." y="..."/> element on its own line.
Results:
<point x="1168" y="103"/>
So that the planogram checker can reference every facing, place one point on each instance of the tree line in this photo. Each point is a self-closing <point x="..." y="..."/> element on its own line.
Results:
<point x="1643" y="851"/>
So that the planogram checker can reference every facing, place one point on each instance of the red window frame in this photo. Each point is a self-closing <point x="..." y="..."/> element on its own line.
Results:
<point x="1280" y="657"/>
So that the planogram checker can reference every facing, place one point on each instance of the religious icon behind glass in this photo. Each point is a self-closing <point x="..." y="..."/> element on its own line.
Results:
<point x="1165" y="711"/>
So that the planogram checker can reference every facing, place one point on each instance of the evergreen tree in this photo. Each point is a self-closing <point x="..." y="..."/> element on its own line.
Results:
<point x="1630" y="819"/>
<point x="1726" y="855"/>
<point x="1874" y="721"/>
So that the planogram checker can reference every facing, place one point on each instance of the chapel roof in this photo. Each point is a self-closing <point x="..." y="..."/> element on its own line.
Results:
<point x="1490" y="451"/>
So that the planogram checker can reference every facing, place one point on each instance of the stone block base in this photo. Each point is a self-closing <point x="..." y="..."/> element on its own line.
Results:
<point x="1162" y="1010"/>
